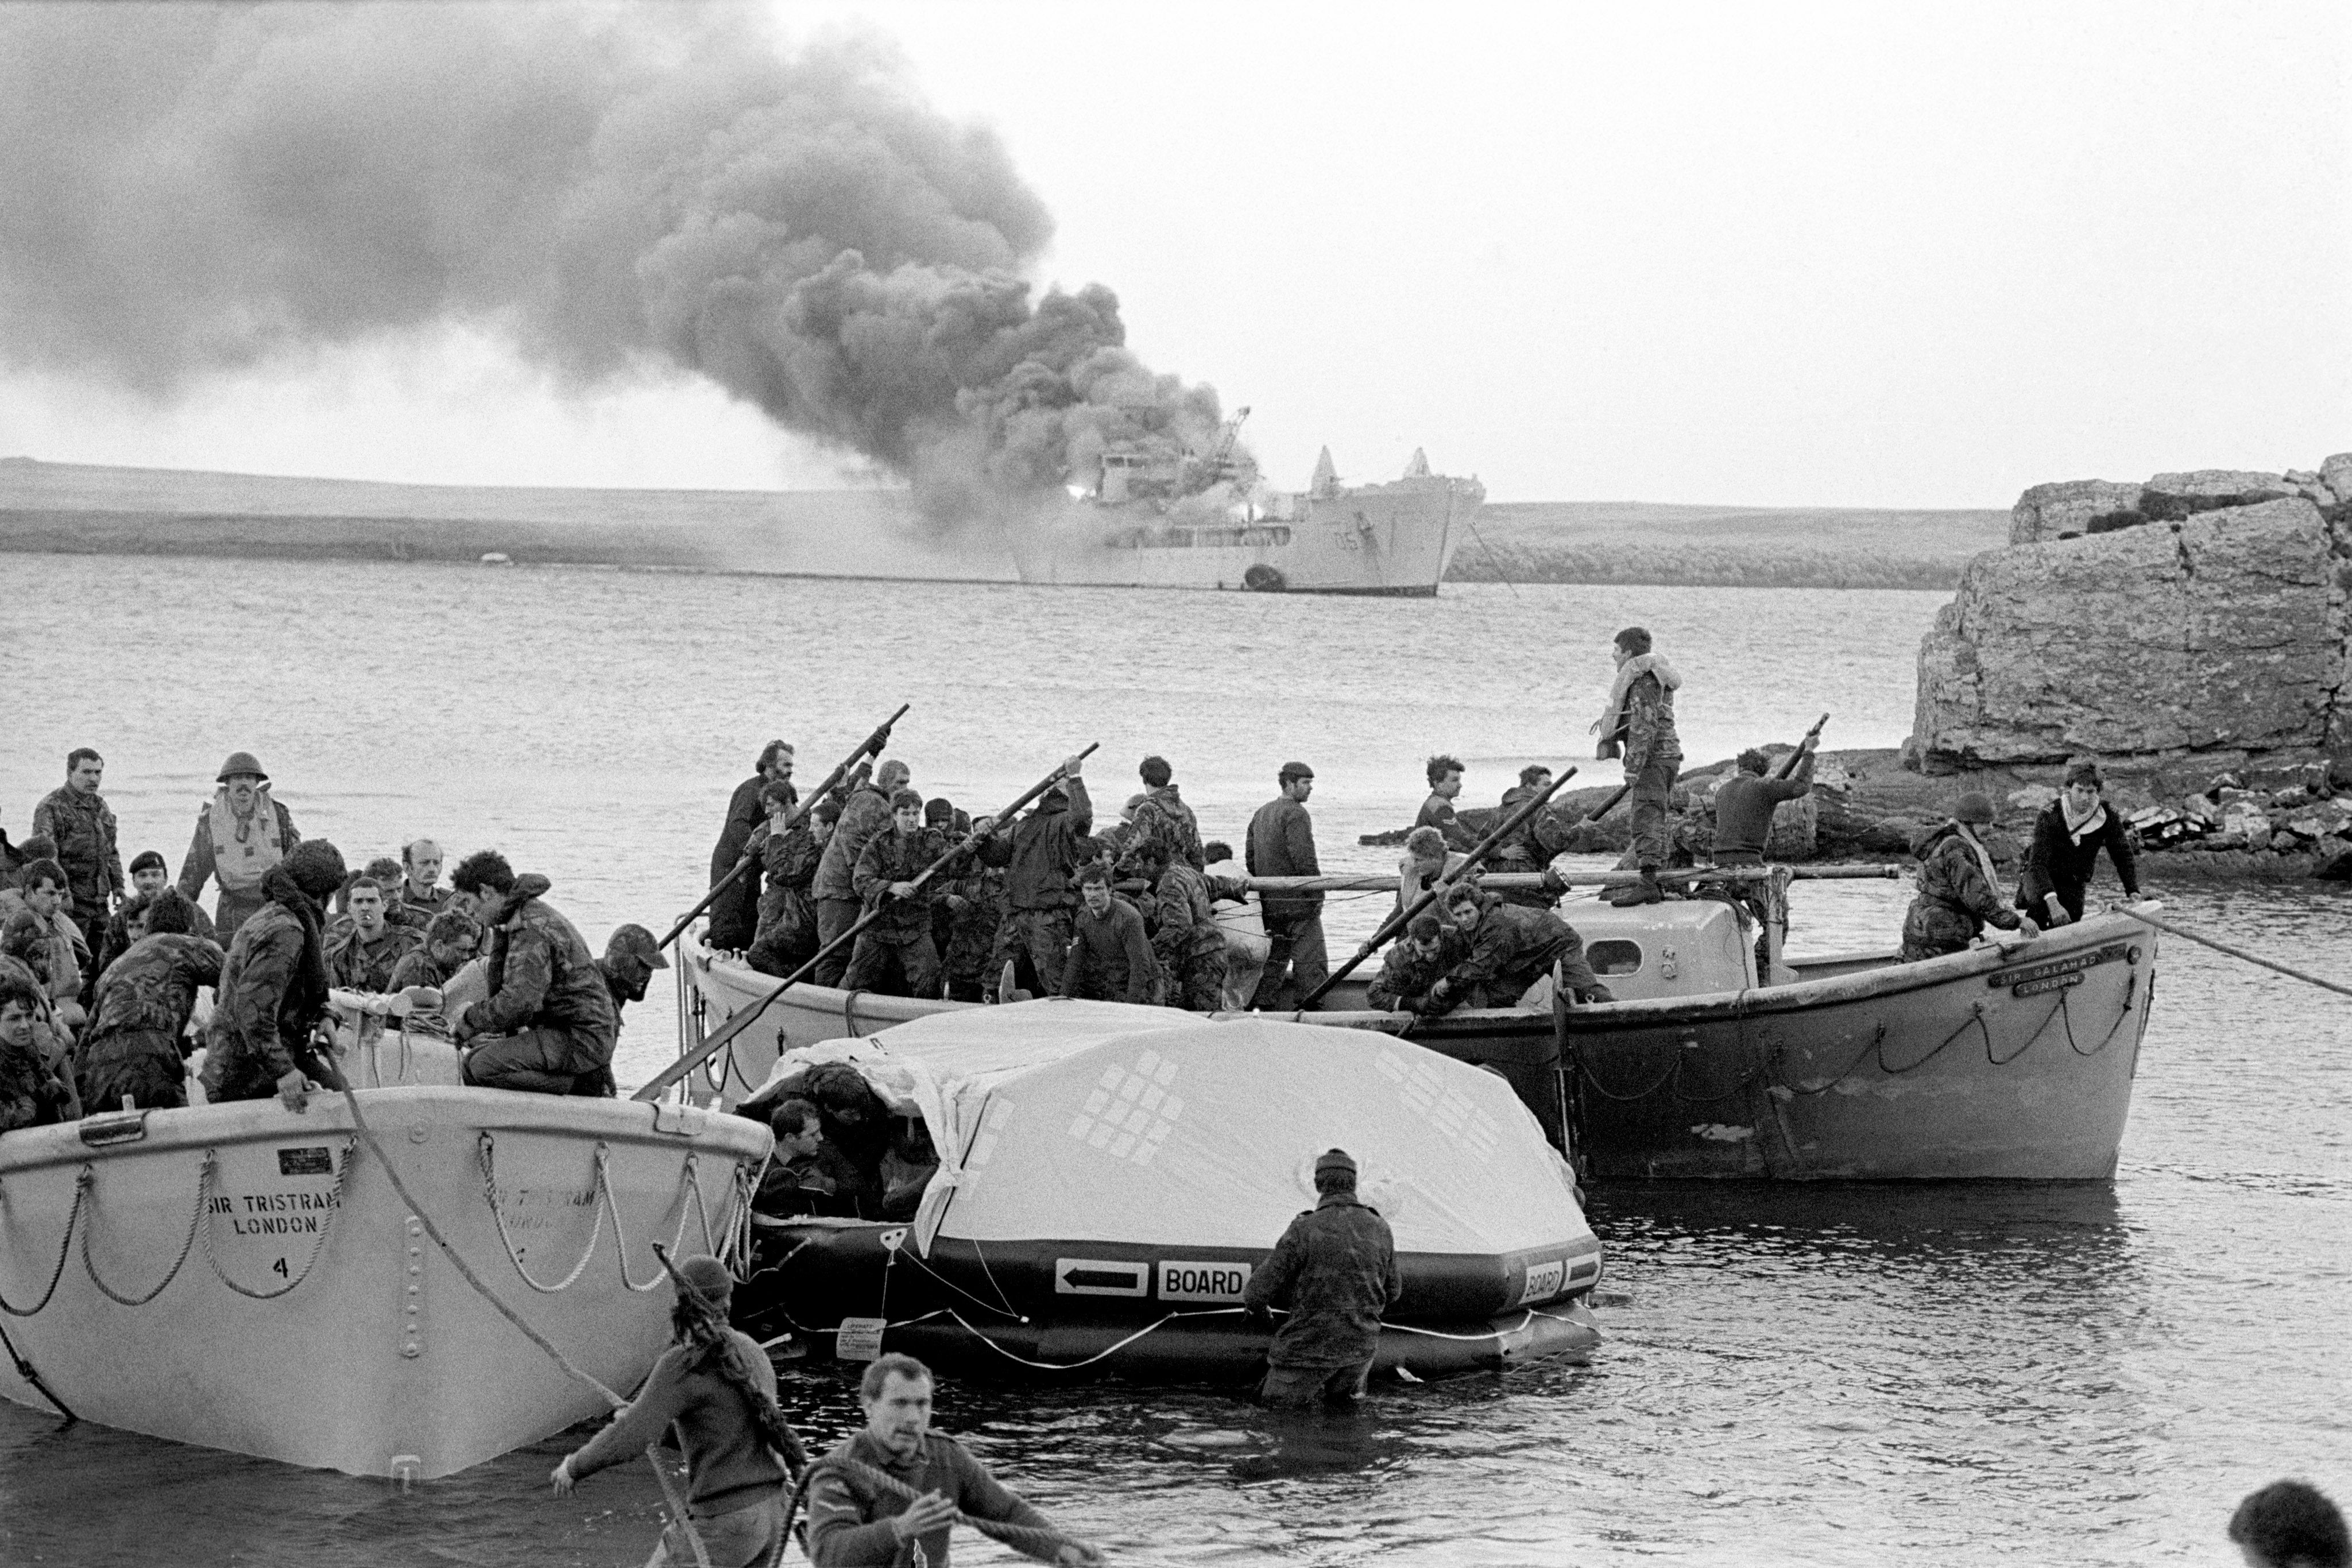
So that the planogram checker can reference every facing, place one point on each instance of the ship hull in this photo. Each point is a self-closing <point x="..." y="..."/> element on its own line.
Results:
<point x="1394" y="540"/>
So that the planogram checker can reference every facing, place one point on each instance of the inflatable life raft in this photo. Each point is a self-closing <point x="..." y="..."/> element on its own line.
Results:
<point x="1111" y="1176"/>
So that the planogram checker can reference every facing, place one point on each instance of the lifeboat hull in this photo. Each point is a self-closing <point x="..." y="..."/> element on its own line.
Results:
<point x="243" y="1277"/>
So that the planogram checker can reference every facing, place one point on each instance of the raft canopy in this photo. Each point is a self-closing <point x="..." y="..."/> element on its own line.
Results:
<point x="1074" y="1121"/>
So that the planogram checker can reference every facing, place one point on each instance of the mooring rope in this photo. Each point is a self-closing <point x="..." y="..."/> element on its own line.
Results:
<point x="65" y="1250"/>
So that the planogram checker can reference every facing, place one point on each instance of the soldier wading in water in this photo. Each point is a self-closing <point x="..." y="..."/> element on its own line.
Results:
<point x="714" y="1385"/>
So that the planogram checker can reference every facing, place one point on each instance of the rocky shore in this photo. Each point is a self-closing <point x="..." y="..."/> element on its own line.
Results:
<point x="2192" y="633"/>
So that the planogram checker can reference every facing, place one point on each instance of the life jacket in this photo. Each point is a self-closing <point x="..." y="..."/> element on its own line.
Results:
<point x="244" y="851"/>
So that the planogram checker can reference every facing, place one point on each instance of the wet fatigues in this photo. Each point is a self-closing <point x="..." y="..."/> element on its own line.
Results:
<point x="2063" y="855"/>
<point x="412" y="911"/>
<point x="118" y="938"/>
<point x="1162" y="817"/>
<point x="734" y="913"/>
<point x="1282" y="843"/>
<point x="866" y="813"/>
<point x="84" y="832"/>
<point x="1536" y="841"/>
<point x="849" y="1516"/>
<point x="52" y="949"/>
<point x="237" y="852"/>
<point x="1038" y="853"/>
<point x="1644" y="728"/>
<point x="900" y="940"/>
<point x="975" y="909"/>
<point x="356" y="963"/>
<point x="734" y="1484"/>
<point x="132" y="1044"/>
<point x="1336" y="1269"/>
<point x="786" y="937"/>
<point x="1510" y="949"/>
<point x="1186" y="939"/>
<point x="1110" y="959"/>
<point x="548" y="1025"/>
<point x="31" y="1095"/>
<point x="1405" y="977"/>
<point x="1959" y="897"/>
<point x="272" y="990"/>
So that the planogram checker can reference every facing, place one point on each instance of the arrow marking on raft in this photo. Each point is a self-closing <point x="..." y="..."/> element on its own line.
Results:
<point x="1100" y="1277"/>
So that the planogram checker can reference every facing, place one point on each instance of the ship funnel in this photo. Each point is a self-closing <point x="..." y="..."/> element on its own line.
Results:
<point x="1327" y="476"/>
<point x="1419" y="468"/>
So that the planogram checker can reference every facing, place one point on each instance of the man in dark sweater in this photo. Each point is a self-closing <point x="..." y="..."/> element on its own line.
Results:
<point x="895" y="956"/>
<point x="1437" y="811"/>
<point x="1110" y="958"/>
<point x="704" y="1387"/>
<point x="2067" y="838"/>
<point x="854" y="1518"/>
<point x="1745" y="804"/>
<point x="1282" y="843"/>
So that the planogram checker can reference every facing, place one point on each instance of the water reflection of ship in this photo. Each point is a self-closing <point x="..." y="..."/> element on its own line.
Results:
<point x="1154" y="514"/>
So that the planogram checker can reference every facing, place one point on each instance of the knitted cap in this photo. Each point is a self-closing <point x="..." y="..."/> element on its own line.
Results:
<point x="940" y="811"/>
<point x="1335" y="1160"/>
<point x="709" y="1276"/>
<point x="316" y="866"/>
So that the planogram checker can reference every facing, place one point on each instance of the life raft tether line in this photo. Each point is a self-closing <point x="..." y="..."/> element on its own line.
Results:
<point x="33" y="1379"/>
<point x="2241" y="954"/>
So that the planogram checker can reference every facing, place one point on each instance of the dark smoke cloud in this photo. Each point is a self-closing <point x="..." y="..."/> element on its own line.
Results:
<point x="185" y="191"/>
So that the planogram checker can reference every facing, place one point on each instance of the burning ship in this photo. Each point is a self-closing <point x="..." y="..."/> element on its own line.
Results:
<point x="1157" y="515"/>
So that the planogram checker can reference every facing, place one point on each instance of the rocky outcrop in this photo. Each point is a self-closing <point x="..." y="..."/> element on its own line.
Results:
<point x="2222" y="631"/>
<point x="2064" y="509"/>
<point x="2075" y="507"/>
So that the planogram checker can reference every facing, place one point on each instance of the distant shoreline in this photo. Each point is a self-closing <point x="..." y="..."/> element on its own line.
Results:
<point x="72" y="509"/>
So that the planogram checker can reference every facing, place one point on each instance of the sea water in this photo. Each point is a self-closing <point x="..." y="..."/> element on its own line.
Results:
<point x="1841" y="1374"/>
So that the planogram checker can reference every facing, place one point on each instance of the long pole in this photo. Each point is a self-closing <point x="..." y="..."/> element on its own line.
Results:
<point x="870" y="747"/>
<point x="2239" y="952"/>
<point x="1805" y="747"/>
<point x="1429" y="895"/>
<point x="742" y="1021"/>
<point x="1388" y="881"/>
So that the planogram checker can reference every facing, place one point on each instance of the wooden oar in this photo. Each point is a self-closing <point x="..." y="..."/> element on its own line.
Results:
<point x="743" y="1019"/>
<point x="1429" y="895"/>
<point x="2239" y="953"/>
<point x="870" y="747"/>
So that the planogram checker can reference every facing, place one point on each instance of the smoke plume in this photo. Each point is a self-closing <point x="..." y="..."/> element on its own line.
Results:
<point x="188" y="190"/>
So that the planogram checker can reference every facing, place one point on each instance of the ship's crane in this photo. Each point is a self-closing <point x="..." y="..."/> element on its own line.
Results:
<point x="1227" y="438"/>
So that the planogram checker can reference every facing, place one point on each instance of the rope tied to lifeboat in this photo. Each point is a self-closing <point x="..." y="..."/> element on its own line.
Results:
<point x="318" y="1247"/>
<point x="486" y="1149"/>
<point x="65" y="1250"/>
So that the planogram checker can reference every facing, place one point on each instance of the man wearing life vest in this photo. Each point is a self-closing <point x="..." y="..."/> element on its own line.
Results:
<point x="241" y="834"/>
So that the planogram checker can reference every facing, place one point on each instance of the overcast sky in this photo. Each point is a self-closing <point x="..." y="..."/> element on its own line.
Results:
<point x="1865" y="255"/>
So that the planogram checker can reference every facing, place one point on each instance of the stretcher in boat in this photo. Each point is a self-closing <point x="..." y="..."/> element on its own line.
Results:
<point x="1111" y="1176"/>
<point x="244" y="1276"/>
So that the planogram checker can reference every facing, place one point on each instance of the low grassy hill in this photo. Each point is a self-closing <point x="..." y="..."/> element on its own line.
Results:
<point x="1696" y="546"/>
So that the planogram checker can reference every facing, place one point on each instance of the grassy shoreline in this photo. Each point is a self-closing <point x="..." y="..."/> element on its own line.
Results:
<point x="66" y="508"/>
